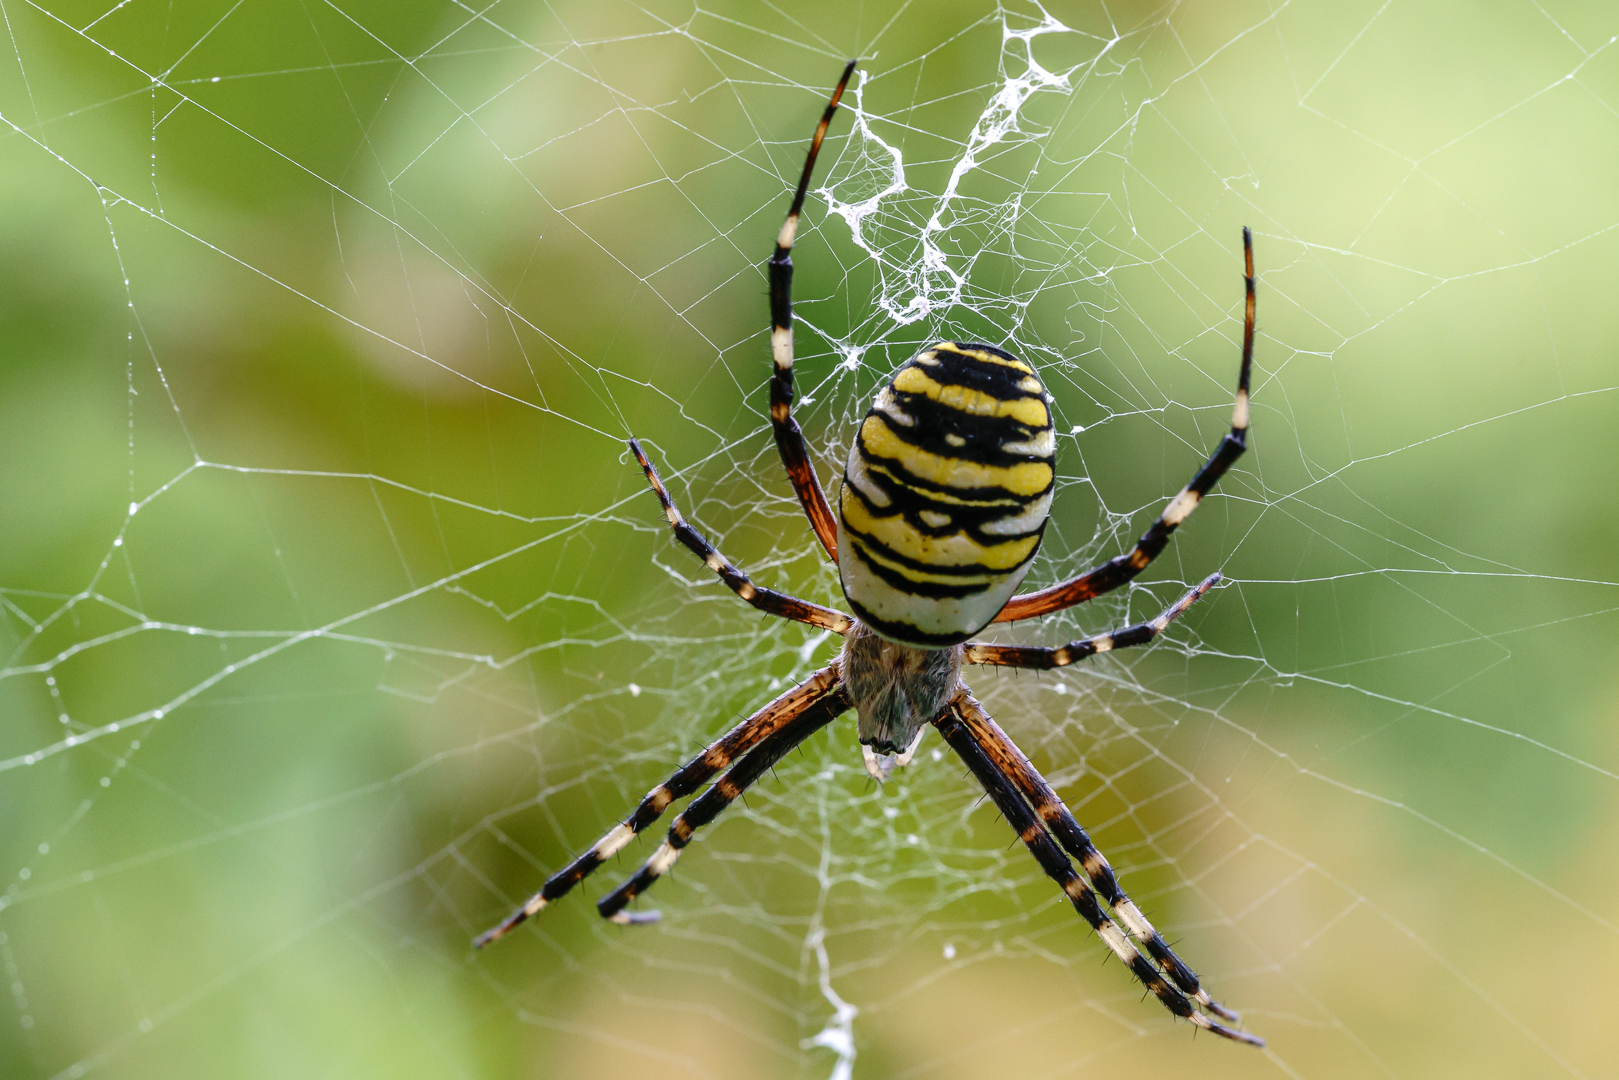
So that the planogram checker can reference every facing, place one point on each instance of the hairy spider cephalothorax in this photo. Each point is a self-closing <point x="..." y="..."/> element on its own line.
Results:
<point x="944" y="500"/>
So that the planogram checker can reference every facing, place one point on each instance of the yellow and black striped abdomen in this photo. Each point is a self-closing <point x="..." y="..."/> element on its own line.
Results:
<point x="946" y="494"/>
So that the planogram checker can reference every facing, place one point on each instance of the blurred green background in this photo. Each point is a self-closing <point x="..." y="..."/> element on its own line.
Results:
<point x="334" y="617"/>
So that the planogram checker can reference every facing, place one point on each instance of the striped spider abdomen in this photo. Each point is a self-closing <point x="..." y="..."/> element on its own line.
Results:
<point x="946" y="494"/>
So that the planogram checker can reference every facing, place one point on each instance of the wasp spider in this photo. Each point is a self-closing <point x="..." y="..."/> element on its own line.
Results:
<point x="944" y="501"/>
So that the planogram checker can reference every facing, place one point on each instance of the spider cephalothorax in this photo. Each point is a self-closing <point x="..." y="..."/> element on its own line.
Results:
<point x="944" y="501"/>
<point x="896" y="689"/>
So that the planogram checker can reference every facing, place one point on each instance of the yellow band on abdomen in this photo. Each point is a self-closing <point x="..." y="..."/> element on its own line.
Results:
<point x="1026" y="478"/>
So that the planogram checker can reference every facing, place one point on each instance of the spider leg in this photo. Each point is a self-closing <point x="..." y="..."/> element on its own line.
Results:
<point x="789" y="439"/>
<point x="994" y="775"/>
<point x="766" y="600"/>
<point x="708" y="806"/>
<point x="1116" y="571"/>
<point x="1028" y="656"/>
<point x="999" y="747"/>
<point x="763" y="724"/>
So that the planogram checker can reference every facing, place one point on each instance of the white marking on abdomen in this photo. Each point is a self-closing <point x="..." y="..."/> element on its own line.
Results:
<point x="1026" y="522"/>
<point x="862" y="481"/>
<point x="1043" y="444"/>
<point x="956" y="615"/>
<point x="888" y="406"/>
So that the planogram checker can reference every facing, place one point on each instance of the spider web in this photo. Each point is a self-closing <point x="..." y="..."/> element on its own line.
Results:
<point x="334" y="616"/>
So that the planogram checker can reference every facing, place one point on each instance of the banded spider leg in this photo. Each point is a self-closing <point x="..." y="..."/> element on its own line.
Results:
<point x="762" y="726"/>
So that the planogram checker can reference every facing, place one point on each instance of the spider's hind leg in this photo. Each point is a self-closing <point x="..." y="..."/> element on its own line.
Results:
<point x="1121" y="569"/>
<point x="789" y="438"/>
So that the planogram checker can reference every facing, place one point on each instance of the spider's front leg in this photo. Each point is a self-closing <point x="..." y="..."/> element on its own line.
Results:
<point x="756" y="729"/>
<point x="996" y="744"/>
<point x="995" y="775"/>
<point x="708" y="806"/>
<point x="1015" y="766"/>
